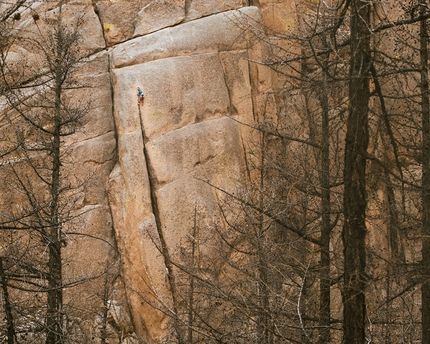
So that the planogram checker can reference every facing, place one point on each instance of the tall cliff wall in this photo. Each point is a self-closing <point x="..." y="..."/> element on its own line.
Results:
<point x="195" y="77"/>
<point x="149" y="164"/>
<point x="144" y="220"/>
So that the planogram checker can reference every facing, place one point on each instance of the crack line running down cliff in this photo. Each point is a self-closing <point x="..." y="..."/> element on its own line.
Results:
<point x="164" y="248"/>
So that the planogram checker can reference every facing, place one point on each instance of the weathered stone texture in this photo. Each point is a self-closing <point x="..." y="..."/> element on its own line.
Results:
<point x="279" y="15"/>
<point x="197" y="91"/>
<point x="149" y="165"/>
<point x="89" y="24"/>
<point x="159" y="14"/>
<point x="201" y="149"/>
<point x="201" y="8"/>
<point x="181" y="161"/>
<point x="118" y="18"/>
<point x="177" y="93"/>
<point x="220" y="32"/>
<point x="123" y="20"/>
<point x="142" y="264"/>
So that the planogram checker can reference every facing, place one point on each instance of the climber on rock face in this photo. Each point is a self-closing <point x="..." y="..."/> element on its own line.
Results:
<point x="140" y="96"/>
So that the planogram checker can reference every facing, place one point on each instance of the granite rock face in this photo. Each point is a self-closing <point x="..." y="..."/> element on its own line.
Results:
<point x="124" y="20"/>
<point x="196" y="82"/>
<point x="150" y="165"/>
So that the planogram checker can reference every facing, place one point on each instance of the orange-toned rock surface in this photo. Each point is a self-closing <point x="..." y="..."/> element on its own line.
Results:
<point x="149" y="164"/>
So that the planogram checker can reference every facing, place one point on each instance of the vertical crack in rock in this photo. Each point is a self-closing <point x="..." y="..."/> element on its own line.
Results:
<point x="121" y="331"/>
<point x="254" y="3"/>
<point x="120" y="282"/>
<point x="155" y="209"/>
<point x="231" y="108"/>
<point x="242" y="139"/>
<point x="187" y="7"/>
<point x="254" y="89"/>
<point x="246" y="159"/>
<point x="115" y="127"/>
<point x="96" y="11"/>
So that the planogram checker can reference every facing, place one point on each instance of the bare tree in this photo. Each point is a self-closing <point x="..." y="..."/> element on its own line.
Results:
<point x="355" y="198"/>
<point x="425" y="108"/>
<point x="44" y="213"/>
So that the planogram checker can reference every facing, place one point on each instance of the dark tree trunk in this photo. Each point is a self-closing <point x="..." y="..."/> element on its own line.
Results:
<point x="324" y="306"/>
<point x="11" y="335"/>
<point x="425" y="108"/>
<point x="54" y="318"/>
<point x="263" y="324"/>
<point x="357" y="137"/>
<point x="191" y="290"/>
